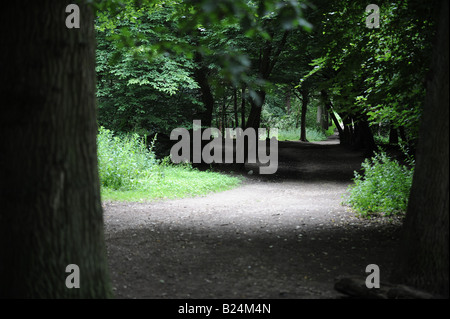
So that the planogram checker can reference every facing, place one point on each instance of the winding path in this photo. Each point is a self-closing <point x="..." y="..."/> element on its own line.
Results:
<point x="279" y="236"/>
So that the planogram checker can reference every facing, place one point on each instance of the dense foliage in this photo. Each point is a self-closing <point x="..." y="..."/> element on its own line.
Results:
<point x="138" y="92"/>
<point x="157" y="70"/>
<point x="376" y="76"/>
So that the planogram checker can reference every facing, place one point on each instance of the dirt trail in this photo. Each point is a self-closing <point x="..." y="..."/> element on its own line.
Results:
<point x="280" y="236"/>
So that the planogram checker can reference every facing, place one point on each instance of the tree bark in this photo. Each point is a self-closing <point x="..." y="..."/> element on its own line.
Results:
<point x="288" y="101"/>
<point x="363" y="135"/>
<point x="51" y="212"/>
<point x="319" y="118"/>
<point x="424" y="249"/>
<point x="243" y="107"/>
<point x="224" y="116"/>
<point x="329" y="109"/>
<point x="235" y="108"/>
<point x="201" y="77"/>
<point x="305" y="100"/>
<point x="254" y="118"/>
<point x="402" y="132"/>
<point x="393" y="135"/>
<point x="347" y="137"/>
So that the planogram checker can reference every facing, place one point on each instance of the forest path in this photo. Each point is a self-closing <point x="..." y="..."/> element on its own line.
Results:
<point x="276" y="236"/>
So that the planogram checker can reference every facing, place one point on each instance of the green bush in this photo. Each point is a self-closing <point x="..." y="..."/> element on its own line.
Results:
<point x="331" y="130"/>
<point x="124" y="162"/>
<point x="383" y="188"/>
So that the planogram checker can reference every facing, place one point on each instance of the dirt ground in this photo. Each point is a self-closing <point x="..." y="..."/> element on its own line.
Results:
<point x="285" y="235"/>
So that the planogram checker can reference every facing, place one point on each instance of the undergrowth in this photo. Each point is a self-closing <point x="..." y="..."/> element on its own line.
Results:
<point x="129" y="171"/>
<point x="383" y="187"/>
<point x="312" y="135"/>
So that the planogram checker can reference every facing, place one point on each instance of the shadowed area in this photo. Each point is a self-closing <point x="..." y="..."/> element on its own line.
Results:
<point x="234" y="261"/>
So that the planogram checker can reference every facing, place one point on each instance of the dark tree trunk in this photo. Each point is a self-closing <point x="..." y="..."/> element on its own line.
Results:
<point x="336" y="123"/>
<point x="393" y="135"/>
<point x="348" y="129"/>
<point x="243" y="107"/>
<point x="305" y="100"/>
<point x="326" y="121"/>
<point x="201" y="77"/>
<point x="362" y="136"/>
<point x="224" y="116"/>
<point x="424" y="250"/>
<point x="367" y="141"/>
<point x="329" y="109"/>
<point x="51" y="213"/>
<point x="403" y="134"/>
<point x="235" y="108"/>
<point x="254" y="118"/>
<point x="288" y="101"/>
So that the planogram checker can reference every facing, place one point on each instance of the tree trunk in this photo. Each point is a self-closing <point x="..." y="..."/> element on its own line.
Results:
<point x="393" y="135"/>
<point x="305" y="100"/>
<point x="403" y="134"/>
<point x="288" y="101"/>
<point x="201" y="77"/>
<point x="347" y="136"/>
<point x="424" y="250"/>
<point x="327" y="122"/>
<point x="254" y="118"/>
<point x="368" y="142"/>
<point x="336" y="123"/>
<point x="319" y="118"/>
<point x="266" y="65"/>
<point x="243" y="107"/>
<point x="235" y="108"/>
<point x="329" y="109"/>
<point x="51" y="213"/>
<point x="224" y="117"/>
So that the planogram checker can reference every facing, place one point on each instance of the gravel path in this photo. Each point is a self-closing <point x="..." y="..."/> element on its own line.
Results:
<point x="279" y="236"/>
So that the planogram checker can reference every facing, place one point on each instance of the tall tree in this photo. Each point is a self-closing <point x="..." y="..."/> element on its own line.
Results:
<point x="201" y="76"/>
<point x="424" y="252"/>
<point x="267" y="60"/>
<point x="51" y="213"/>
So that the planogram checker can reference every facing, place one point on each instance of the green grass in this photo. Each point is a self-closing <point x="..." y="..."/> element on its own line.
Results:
<point x="174" y="182"/>
<point x="129" y="172"/>
<point x="312" y="135"/>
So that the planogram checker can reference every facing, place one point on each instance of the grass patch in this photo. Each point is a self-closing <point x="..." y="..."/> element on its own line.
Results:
<point x="129" y="172"/>
<point x="174" y="182"/>
<point x="312" y="135"/>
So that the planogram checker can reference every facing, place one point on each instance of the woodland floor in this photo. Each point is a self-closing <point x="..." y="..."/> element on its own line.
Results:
<point x="285" y="235"/>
